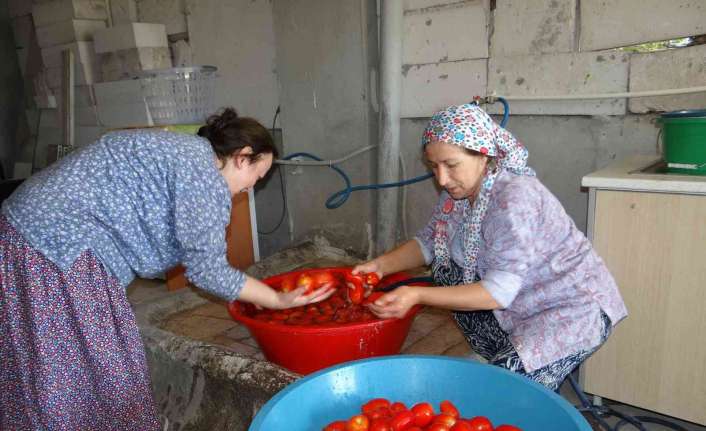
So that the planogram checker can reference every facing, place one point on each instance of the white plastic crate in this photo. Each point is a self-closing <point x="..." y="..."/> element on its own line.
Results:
<point x="180" y="95"/>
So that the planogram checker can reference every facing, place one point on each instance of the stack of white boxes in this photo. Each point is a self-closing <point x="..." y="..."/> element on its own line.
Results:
<point x="107" y="59"/>
<point x="126" y="51"/>
<point x="70" y="25"/>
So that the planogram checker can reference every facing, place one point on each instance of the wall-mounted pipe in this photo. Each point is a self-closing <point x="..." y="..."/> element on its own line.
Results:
<point x="391" y="29"/>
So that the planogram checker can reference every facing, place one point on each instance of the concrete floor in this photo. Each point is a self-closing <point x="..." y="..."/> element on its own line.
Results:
<point x="433" y="332"/>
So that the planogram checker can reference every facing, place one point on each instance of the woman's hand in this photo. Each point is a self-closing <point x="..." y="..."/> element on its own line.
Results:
<point x="395" y="304"/>
<point x="297" y="297"/>
<point x="368" y="267"/>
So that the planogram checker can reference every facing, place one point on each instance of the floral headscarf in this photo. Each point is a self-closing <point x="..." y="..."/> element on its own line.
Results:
<point x="470" y="127"/>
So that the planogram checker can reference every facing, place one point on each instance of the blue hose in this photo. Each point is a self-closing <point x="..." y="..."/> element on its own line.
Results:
<point x="340" y="197"/>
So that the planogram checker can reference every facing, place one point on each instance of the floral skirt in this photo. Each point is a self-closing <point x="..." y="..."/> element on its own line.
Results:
<point x="71" y="353"/>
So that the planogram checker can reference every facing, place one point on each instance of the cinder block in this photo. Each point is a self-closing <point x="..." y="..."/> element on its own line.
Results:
<point x="171" y="13"/>
<point x="51" y="11"/>
<point x="667" y="70"/>
<point x="19" y="7"/>
<point x="129" y="63"/>
<point x="123" y="11"/>
<point x="83" y="96"/>
<point x="131" y="35"/>
<point x="433" y="35"/>
<point x="581" y="74"/>
<point x="123" y="92"/>
<point x="430" y="87"/>
<point x="22" y="30"/>
<point x="63" y="32"/>
<point x="533" y="27"/>
<point x="83" y="53"/>
<point x="615" y="23"/>
<point x="131" y="115"/>
<point x="28" y="53"/>
<point x="87" y="116"/>
<point x="84" y="74"/>
<point x="86" y="135"/>
<point x="30" y="60"/>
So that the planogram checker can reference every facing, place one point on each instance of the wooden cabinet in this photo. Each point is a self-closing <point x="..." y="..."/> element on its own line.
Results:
<point x="241" y="238"/>
<point x="653" y="239"/>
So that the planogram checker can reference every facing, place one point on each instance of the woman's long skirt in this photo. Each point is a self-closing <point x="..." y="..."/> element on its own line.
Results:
<point x="71" y="357"/>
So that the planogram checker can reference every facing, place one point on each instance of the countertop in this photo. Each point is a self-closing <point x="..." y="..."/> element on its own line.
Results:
<point x="625" y="175"/>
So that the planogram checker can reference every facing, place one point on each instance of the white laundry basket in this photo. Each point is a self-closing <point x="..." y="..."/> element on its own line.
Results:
<point x="180" y="95"/>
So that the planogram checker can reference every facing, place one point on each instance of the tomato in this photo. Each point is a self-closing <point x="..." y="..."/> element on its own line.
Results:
<point x="437" y="427"/>
<point x="356" y="293"/>
<point x="358" y="423"/>
<point x="462" y="425"/>
<point x="288" y="284"/>
<point x="381" y="413"/>
<point x="335" y="426"/>
<point x="444" y="419"/>
<point x="323" y="279"/>
<point x="372" y="279"/>
<point x="449" y="408"/>
<point x="398" y="407"/>
<point x="375" y="404"/>
<point x="506" y="427"/>
<point x="380" y="424"/>
<point x="307" y="281"/>
<point x="480" y="423"/>
<point x="402" y="420"/>
<point x="423" y="414"/>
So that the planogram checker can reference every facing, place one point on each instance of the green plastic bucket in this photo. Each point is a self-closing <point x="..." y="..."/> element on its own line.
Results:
<point x="684" y="141"/>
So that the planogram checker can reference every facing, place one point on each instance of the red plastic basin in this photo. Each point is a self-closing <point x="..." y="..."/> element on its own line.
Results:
<point x="305" y="349"/>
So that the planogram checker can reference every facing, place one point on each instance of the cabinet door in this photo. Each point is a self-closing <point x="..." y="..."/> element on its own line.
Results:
<point x="655" y="246"/>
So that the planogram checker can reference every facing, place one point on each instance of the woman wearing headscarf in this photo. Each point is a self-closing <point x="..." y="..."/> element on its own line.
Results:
<point x="73" y="236"/>
<point x="528" y="291"/>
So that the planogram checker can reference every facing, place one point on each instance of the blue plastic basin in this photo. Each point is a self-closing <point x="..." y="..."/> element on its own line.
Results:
<point x="476" y="389"/>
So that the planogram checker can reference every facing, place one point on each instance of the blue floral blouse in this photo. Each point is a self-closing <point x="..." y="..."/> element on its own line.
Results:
<point x="141" y="200"/>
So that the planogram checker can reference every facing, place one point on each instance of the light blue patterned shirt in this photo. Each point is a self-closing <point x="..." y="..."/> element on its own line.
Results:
<point x="141" y="200"/>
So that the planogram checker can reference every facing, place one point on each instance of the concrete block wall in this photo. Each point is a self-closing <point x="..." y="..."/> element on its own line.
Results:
<point x="547" y="48"/>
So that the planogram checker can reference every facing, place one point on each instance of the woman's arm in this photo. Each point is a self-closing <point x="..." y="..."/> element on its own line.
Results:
<point x="406" y="256"/>
<point x="465" y="297"/>
<point x="257" y="292"/>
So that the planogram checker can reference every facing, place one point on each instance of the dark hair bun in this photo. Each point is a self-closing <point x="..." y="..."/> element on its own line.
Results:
<point x="228" y="133"/>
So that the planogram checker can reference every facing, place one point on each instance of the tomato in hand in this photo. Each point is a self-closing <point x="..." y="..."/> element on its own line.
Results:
<point x="480" y="423"/>
<point x="336" y="426"/>
<point x="449" y="408"/>
<point x="307" y="281"/>
<point x="506" y="427"/>
<point x="372" y="279"/>
<point x="358" y="423"/>
<point x="423" y="414"/>
<point x="288" y="284"/>
<point x="372" y="297"/>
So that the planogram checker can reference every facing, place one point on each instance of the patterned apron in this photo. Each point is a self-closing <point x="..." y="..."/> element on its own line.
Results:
<point x="483" y="332"/>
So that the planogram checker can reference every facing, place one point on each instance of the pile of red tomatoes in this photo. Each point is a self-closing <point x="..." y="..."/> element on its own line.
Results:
<point x="380" y="414"/>
<point x="346" y="305"/>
